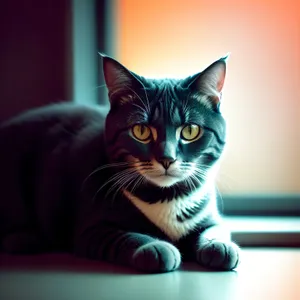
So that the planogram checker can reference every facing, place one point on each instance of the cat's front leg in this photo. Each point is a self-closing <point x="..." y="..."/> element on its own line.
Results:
<point x="137" y="250"/>
<point x="211" y="248"/>
<point x="214" y="249"/>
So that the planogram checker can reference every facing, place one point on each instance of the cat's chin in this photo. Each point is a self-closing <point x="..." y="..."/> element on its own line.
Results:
<point x="163" y="180"/>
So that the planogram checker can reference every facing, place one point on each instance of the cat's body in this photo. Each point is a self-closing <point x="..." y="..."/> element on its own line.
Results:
<point x="134" y="187"/>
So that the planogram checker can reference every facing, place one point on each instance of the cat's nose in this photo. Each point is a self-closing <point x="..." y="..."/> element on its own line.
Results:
<point x="166" y="162"/>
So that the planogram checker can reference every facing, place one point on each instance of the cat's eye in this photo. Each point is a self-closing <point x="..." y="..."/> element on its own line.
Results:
<point x="141" y="132"/>
<point x="191" y="132"/>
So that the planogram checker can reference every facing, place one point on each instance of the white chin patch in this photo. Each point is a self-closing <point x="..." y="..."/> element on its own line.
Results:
<point x="163" y="180"/>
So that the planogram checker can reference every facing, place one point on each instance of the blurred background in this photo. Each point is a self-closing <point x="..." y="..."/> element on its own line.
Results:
<point x="49" y="53"/>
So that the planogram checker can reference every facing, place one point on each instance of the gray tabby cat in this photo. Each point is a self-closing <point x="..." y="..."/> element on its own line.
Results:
<point x="133" y="187"/>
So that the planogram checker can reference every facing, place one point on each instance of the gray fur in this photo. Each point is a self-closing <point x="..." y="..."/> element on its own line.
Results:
<point x="75" y="179"/>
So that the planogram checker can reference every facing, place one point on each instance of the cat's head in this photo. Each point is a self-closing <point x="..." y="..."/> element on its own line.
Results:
<point x="168" y="131"/>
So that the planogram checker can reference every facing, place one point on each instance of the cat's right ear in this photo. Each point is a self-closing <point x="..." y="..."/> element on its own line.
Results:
<point x="117" y="77"/>
<point x="208" y="84"/>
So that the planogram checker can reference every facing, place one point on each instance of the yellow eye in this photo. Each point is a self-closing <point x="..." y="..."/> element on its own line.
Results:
<point x="141" y="132"/>
<point x="190" y="132"/>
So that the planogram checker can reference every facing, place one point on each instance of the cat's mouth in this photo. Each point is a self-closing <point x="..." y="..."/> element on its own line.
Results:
<point x="167" y="175"/>
<point x="157" y="174"/>
<point x="163" y="180"/>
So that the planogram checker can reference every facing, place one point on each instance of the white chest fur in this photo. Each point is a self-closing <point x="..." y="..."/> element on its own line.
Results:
<point x="164" y="214"/>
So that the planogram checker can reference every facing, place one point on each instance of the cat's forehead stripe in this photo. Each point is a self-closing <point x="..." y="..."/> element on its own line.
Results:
<point x="166" y="110"/>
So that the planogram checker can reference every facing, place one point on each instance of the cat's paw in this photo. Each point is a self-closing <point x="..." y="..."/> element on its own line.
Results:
<point x="157" y="256"/>
<point x="219" y="255"/>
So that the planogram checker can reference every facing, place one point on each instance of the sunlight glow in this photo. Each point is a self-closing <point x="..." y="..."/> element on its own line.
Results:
<point x="261" y="95"/>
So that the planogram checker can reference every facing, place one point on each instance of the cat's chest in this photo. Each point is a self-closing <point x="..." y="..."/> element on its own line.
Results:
<point x="176" y="218"/>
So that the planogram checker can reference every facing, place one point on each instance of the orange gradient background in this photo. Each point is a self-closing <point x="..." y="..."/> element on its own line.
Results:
<point x="261" y="100"/>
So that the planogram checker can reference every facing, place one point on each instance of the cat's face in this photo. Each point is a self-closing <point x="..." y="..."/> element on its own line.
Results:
<point x="164" y="131"/>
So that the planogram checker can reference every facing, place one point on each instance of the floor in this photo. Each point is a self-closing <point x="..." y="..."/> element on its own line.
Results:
<point x="265" y="273"/>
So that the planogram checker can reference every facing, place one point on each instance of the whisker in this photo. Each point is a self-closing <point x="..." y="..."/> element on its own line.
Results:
<point x="185" y="103"/>
<point x="122" y="179"/>
<point x="199" y="178"/>
<point x="144" y="88"/>
<point x="146" y="108"/>
<point x="192" y="183"/>
<point x="200" y="175"/>
<point x="137" y="183"/>
<point x="112" y="178"/>
<point x="119" y="178"/>
<point x="126" y="182"/>
<point x="187" y="181"/>
<point x="141" y="108"/>
<point x="120" y="164"/>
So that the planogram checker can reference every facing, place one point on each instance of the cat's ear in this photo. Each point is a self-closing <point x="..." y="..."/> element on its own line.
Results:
<point x="210" y="82"/>
<point x="117" y="77"/>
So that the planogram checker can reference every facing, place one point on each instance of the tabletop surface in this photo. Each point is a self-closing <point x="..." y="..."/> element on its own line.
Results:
<point x="265" y="273"/>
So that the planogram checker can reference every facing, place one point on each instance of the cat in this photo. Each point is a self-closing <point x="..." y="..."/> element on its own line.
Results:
<point x="132" y="187"/>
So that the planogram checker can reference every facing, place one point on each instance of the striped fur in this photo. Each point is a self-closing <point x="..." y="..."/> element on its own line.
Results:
<point x="73" y="178"/>
<point x="178" y="216"/>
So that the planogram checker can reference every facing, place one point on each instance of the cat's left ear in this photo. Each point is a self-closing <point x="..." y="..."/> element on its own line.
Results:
<point x="210" y="82"/>
<point x="117" y="77"/>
